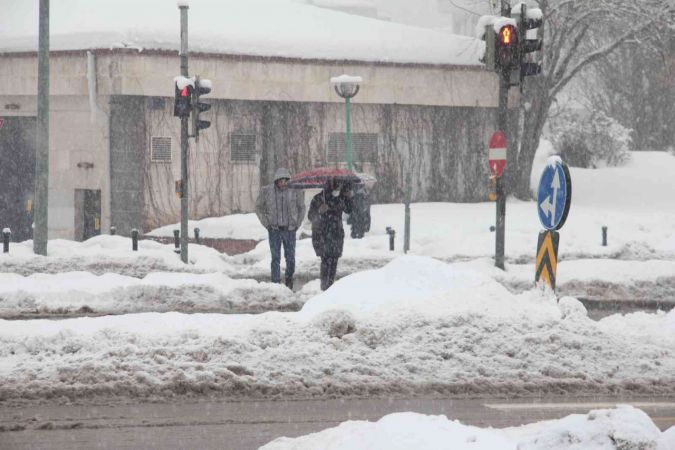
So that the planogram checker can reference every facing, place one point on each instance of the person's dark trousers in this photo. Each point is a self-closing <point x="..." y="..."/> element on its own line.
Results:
<point x="287" y="238"/>
<point x="328" y="271"/>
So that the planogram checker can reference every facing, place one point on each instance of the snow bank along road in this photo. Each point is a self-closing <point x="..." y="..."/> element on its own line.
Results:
<point x="417" y="326"/>
<point x="37" y="288"/>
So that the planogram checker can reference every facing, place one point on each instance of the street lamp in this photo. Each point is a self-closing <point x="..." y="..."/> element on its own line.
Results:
<point x="347" y="86"/>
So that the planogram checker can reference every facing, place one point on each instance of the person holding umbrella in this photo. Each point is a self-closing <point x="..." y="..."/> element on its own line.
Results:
<point x="325" y="213"/>
<point x="281" y="210"/>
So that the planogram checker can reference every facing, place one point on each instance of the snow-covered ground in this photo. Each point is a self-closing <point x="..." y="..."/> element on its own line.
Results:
<point x="638" y="263"/>
<point x="416" y="326"/>
<point x="103" y="254"/>
<point x="636" y="202"/>
<point x="86" y="293"/>
<point x="606" y="429"/>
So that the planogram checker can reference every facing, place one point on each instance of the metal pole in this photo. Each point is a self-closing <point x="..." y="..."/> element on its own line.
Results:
<point x="184" y="139"/>
<point x="40" y="233"/>
<point x="408" y="197"/>
<point x="348" y="136"/>
<point x="134" y="239"/>
<point x="176" y="241"/>
<point x="502" y="124"/>
<point x="6" y="235"/>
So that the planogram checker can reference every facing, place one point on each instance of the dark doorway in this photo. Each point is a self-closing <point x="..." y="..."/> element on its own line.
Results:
<point x="87" y="213"/>
<point x="17" y="175"/>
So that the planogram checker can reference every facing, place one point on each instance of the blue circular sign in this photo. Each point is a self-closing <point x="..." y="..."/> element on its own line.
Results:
<point x="555" y="194"/>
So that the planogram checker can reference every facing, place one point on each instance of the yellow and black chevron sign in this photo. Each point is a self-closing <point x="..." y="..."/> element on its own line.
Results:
<point x="547" y="257"/>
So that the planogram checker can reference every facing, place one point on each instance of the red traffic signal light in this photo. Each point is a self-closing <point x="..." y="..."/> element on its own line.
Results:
<point x="183" y="100"/>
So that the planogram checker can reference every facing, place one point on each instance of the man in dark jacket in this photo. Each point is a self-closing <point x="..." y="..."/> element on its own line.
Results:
<point x="281" y="211"/>
<point x="328" y="235"/>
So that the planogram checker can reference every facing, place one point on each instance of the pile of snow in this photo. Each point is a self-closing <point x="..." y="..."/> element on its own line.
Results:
<point x="103" y="254"/>
<point x="234" y="226"/>
<point x="607" y="429"/>
<point x="415" y="326"/>
<point x="280" y="28"/>
<point x="83" y="292"/>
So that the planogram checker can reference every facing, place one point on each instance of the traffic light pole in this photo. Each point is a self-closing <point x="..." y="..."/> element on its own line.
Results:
<point x="502" y="125"/>
<point x="184" y="139"/>
<point x="41" y="208"/>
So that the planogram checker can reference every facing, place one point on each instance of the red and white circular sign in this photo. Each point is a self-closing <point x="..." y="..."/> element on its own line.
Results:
<point x="497" y="153"/>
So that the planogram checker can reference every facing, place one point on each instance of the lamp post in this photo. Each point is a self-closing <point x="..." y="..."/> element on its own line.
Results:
<point x="347" y="86"/>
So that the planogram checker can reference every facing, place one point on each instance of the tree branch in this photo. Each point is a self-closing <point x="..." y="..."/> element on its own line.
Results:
<point x="596" y="55"/>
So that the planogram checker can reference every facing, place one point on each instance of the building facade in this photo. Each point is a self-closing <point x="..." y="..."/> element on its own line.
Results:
<point x="115" y="145"/>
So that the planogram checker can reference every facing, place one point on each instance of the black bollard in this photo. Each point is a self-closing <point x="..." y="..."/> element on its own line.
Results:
<point x="604" y="236"/>
<point x="176" y="241"/>
<point x="197" y="235"/>
<point x="134" y="239"/>
<point x="113" y="230"/>
<point x="391" y="232"/>
<point x="6" y="234"/>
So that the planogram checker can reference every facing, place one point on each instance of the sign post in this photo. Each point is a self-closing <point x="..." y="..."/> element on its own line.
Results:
<point x="497" y="162"/>
<point x="554" y="198"/>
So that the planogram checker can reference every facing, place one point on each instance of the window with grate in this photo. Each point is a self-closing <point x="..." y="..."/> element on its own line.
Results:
<point x="160" y="149"/>
<point x="364" y="147"/>
<point x="242" y="147"/>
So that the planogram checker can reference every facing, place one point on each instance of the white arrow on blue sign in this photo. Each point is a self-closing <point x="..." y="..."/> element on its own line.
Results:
<point x="555" y="194"/>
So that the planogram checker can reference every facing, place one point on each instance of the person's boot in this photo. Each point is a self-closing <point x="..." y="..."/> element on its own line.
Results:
<point x="289" y="283"/>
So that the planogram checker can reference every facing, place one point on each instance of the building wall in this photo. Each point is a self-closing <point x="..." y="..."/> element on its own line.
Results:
<point x="443" y="149"/>
<point x="78" y="158"/>
<point x="430" y="121"/>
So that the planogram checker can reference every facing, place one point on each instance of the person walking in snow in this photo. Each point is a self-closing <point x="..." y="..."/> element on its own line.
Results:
<point x="281" y="210"/>
<point x="328" y="235"/>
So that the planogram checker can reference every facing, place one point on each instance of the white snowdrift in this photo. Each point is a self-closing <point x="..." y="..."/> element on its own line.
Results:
<point x="607" y="429"/>
<point x="84" y="292"/>
<point x="416" y="326"/>
<point x="233" y="226"/>
<point x="102" y="254"/>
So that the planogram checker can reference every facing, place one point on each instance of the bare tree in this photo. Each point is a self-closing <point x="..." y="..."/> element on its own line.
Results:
<point x="569" y="49"/>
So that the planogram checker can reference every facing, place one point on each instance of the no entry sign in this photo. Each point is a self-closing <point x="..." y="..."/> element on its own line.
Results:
<point x="497" y="153"/>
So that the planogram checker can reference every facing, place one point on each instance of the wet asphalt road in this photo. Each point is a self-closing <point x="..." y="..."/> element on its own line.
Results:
<point x="220" y="425"/>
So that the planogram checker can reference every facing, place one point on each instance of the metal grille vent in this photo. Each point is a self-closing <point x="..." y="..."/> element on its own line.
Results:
<point x="242" y="147"/>
<point x="160" y="149"/>
<point x="364" y="147"/>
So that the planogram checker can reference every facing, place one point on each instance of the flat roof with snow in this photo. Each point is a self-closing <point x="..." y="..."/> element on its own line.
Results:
<point x="267" y="28"/>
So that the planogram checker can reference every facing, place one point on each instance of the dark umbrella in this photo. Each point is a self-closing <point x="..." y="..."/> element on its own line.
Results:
<point x="317" y="178"/>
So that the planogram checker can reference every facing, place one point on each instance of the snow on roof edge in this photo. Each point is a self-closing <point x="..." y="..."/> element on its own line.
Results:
<point x="309" y="59"/>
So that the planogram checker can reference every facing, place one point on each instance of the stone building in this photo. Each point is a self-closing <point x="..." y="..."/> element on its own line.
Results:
<point x="425" y="108"/>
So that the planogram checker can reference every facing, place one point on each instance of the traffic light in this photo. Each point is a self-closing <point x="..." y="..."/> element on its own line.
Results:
<point x="202" y="87"/>
<point x="183" y="97"/>
<point x="489" y="36"/>
<point x="529" y="19"/>
<point x="506" y="47"/>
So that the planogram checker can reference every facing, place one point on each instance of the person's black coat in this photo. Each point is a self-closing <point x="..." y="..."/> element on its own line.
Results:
<point x="328" y="235"/>
<point x="359" y="219"/>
